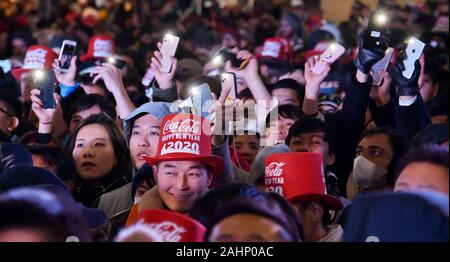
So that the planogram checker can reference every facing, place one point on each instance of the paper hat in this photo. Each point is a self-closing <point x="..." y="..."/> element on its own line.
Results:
<point x="181" y="138"/>
<point x="100" y="46"/>
<point x="37" y="58"/>
<point x="299" y="176"/>
<point x="173" y="226"/>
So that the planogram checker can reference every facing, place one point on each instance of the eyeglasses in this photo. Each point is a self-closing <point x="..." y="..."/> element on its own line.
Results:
<point x="5" y="112"/>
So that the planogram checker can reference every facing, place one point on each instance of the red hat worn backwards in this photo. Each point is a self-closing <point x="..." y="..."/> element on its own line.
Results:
<point x="277" y="48"/>
<point x="299" y="176"/>
<point x="173" y="226"/>
<point x="37" y="57"/>
<point x="100" y="46"/>
<point x="181" y="138"/>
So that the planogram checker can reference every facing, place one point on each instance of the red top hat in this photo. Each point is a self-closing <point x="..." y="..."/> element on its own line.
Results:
<point x="298" y="177"/>
<point x="100" y="46"/>
<point x="181" y="138"/>
<point x="277" y="48"/>
<point x="37" y="58"/>
<point x="173" y="226"/>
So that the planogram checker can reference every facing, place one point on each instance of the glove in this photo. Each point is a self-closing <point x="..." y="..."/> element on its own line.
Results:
<point x="369" y="55"/>
<point x="406" y="87"/>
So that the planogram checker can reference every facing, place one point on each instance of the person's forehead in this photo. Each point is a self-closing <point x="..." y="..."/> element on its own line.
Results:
<point x="379" y="140"/>
<point x="93" y="131"/>
<point x="182" y="164"/>
<point x="309" y="134"/>
<point x="147" y="119"/>
<point x="247" y="138"/>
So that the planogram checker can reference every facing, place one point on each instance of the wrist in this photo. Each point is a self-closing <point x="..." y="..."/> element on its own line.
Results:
<point x="165" y="84"/>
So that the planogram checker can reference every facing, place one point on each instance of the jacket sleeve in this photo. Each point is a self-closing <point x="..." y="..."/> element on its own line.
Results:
<point x="411" y="119"/>
<point x="383" y="115"/>
<point x="164" y="95"/>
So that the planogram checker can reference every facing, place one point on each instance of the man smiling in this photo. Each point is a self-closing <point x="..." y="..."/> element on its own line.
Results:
<point x="184" y="167"/>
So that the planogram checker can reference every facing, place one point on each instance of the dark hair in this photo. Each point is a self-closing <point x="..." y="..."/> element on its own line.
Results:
<point x="286" y="111"/>
<point x="36" y="209"/>
<point x="88" y="101"/>
<point x="145" y="173"/>
<point x="326" y="217"/>
<point x="121" y="151"/>
<point x="13" y="105"/>
<point x="57" y="158"/>
<point x="289" y="84"/>
<point x="245" y="206"/>
<point x="211" y="202"/>
<point x="245" y="94"/>
<point x="398" y="144"/>
<point x="429" y="153"/>
<point x="309" y="125"/>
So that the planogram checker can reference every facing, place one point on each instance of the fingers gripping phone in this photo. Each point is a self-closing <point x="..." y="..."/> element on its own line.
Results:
<point x="65" y="56"/>
<point x="202" y="99"/>
<point x="333" y="52"/>
<point x="224" y="55"/>
<point x="168" y="49"/>
<point x="229" y="82"/>
<point x="45" y="82"/>
<point x="381" y="66"/>
<point x="413" y="52"/>
<point x="378" y="26"/>
<point x="117" y="62"/>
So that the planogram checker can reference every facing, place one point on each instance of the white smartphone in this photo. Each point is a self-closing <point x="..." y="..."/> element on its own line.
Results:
<point x="333" y="52"/>
<point x="148" y="78"/>
<point x="168" y="49"/>
<point x="381" y="66"/>
<point x="67" y="52"/>
<point x="202" y="99"/>
<point x="413" y="52"/>
<point x="228" y="80"/>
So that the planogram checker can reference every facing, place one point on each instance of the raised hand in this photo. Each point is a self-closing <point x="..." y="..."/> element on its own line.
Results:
<point x="368" y="55"/>
<point x="67" y="78"/>
<point x="165" y="80"/>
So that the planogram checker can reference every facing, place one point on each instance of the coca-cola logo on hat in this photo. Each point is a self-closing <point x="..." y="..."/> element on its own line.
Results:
<point x="274" y="177"/>
<point x="181" y="136"/>
<point x="35" y="59"/>
<point x="169" y="231"/>
<point x="102" y="48"/>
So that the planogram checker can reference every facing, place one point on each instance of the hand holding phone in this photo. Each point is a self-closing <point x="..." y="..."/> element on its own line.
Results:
<point x="115" y="61"/>
<point x="45" y="82"/>
<point x="413" y="52"/>
<point x="381" y="66"/>
<point x="333" y="52"/>
<point x="202" y="99"/>
<point x="168" y="50"/>
<point x="378" y="26"/>
<point x="228" y="81"/>
<point x="65" y="56"/>
<point x="225" y="54"/>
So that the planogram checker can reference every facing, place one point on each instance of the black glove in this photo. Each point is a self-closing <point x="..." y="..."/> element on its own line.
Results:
<point x="369" y="55"/>
<point x="406" y="87"/>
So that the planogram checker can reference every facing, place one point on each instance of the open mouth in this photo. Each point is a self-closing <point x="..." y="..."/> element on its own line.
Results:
<point x="180" y="196"/>
<point x="142" y="156"/>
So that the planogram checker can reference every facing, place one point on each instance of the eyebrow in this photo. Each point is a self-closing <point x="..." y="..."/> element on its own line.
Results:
<point x="169" y="166"/>
<point x="95" y="139"/>
<point x="158" y="127"/>
<point x="196" y="167"/>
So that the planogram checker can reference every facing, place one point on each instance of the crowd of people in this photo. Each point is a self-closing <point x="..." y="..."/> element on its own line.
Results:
<point x="124" y="155"/>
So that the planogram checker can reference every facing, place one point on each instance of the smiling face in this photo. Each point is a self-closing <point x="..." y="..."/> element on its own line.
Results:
<point x="144" y="139"/>
<point x="93" y="152"/>
<point x="180" y="183"/>
<point x="248" y="146"/>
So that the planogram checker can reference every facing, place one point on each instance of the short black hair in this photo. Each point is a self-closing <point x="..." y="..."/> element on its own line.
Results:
<point x="398" y="143"/>
<point x="429" y="153"/>
<point x="289" y="84"/>
<point x="87" y="101"/>
<point x="56" y="157"/>
<point x="309" y="125"/>
<point x="13" y="105"/>
<point x="286" y="111"/>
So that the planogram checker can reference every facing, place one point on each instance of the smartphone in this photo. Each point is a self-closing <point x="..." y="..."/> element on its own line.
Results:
<point x="202" y="99"/>
<point x="225" y="54"/>
<point x="148" y="77"/>
<point x="117" y="62"/>
<point x="228" y="80"/>
<point x="378" y="25"/>
<point x="45" y="81"/>
<point x="413" y="52"/>
<point x="67" y="52"/>
<point x="6" y="65"/>
<point x="381" y="66"/>
<point x="333" y="52"/>
<point x="168" y="49"/>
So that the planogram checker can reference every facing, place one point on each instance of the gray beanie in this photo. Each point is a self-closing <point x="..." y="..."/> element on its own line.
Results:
<point x="259" y="164"/>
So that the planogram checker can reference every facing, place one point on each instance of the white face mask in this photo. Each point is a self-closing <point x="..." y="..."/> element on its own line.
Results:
<point x="367" y="174"/>
<point x="137" y="199"/>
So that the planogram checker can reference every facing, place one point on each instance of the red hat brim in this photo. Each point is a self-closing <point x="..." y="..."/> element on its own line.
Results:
<point x="215" y="162"/>
<point x="17" y="72"/>
<point x="329" y="201"/>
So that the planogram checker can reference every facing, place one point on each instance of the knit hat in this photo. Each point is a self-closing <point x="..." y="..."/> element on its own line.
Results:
<point x="258" y="166"/>
<point x="398" y="217"/>
<point x="27" y="175"/>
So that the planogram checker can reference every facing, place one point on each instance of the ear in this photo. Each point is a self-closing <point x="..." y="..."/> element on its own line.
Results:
<point x="330" y="159"/>
<point x="316" y="211"/>
<point x="210" y="178"/>
<point x="155" y="173"/>
<point x="13" y="123"/>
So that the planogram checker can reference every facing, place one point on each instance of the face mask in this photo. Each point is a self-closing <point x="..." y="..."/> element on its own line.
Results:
<point x="367" y="174"/>
<point x="137" y="199"/>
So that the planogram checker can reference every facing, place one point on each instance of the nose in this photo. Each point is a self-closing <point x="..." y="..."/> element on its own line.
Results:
<point x="182" y="183"/>
<point x="143" y="141"/>
<point x="88" y="151"/>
